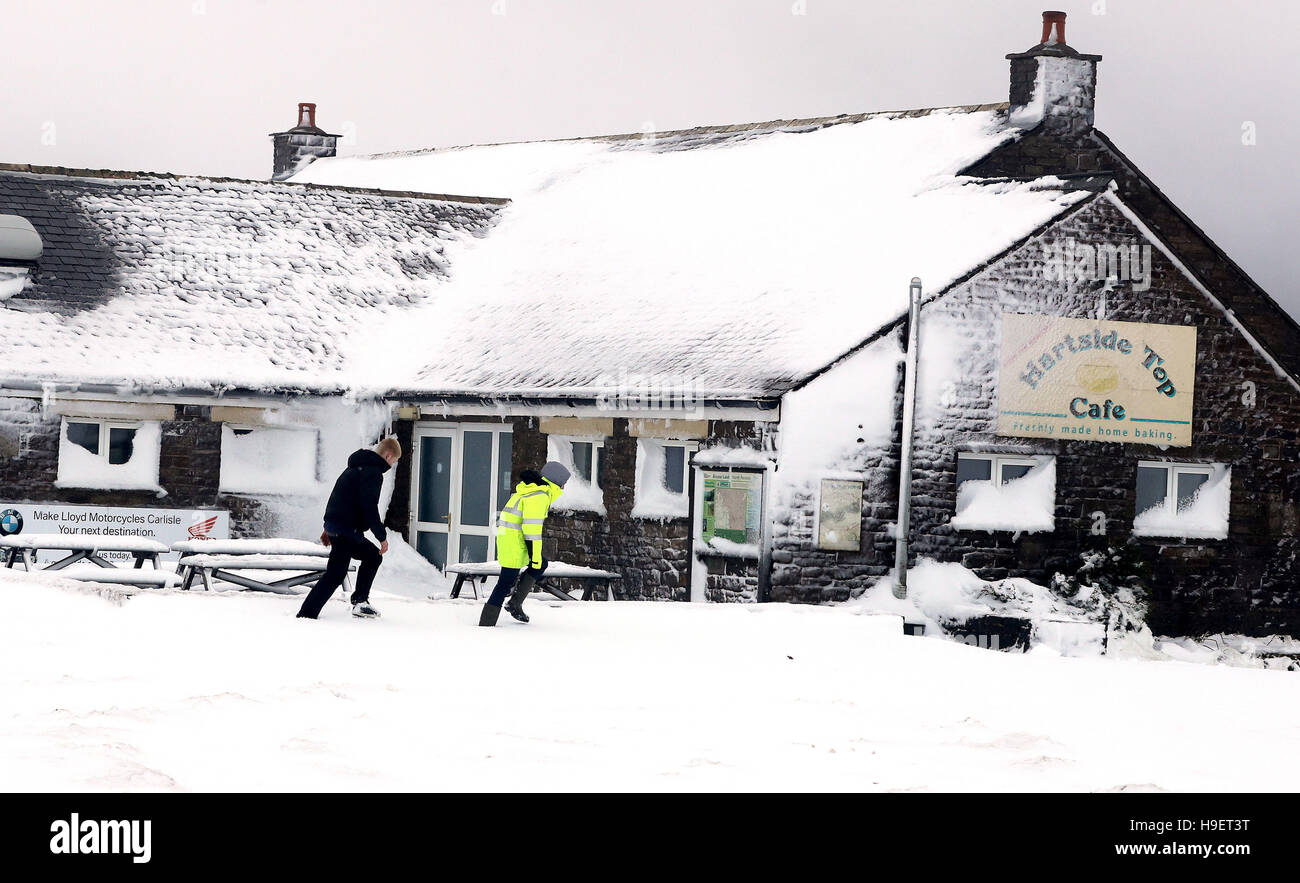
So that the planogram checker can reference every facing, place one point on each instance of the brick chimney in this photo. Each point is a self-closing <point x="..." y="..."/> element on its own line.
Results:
<point x="1051" y="84"/>
<point x="301" y="145"/>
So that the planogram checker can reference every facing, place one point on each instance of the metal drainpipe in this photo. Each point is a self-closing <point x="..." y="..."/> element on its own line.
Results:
<point x="903" y="528"/>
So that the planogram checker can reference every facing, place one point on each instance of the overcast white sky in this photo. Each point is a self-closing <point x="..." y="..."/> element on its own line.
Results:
<point x="196" y="85"/>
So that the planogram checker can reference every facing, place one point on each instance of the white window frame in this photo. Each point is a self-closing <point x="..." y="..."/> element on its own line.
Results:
<point x="1172" y="470"/>
<point x="597" y="454"/>
<point x="998" y="461"/>
<point x="691" y="447"/>
<point x="105" y="425"/>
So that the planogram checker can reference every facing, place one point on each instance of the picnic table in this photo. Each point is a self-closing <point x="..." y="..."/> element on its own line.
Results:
<point x="147" y="579"/>
<point x="591" y="578"/>
<point x="245" y="563"/>
<point x="80" y="547"/>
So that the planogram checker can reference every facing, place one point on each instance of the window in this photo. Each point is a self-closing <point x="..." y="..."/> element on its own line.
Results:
<point x="267" y="460"/>
<point x="115" y="442"/>
<point x="588" y="461"/>
<point x="661" y="478"/>
<point x="1188" y="500"/>
<point x="584" y="458"/>
<point x="982" y="467"/>
<point x="108" y="454"/>
<point x="1009" y="492"/>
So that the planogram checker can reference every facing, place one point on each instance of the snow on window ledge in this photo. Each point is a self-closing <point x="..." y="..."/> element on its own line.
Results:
<point x="1024" y="505"/>
<point x="79" y="468"/>
<point x="721" y="547"/>
<point x="728" y="455"/>
<point x="579" y="494"/>
<point x="654" y="501"/>
<point x="1205" y="518"/>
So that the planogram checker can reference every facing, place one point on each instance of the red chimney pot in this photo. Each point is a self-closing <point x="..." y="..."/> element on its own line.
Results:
<point x="1050" y="18"/>
<point x="307" y="110"/>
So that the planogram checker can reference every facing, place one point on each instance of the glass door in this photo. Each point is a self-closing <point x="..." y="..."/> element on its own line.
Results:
<point x="462" y="479"/>
<point x="431" y="515"/>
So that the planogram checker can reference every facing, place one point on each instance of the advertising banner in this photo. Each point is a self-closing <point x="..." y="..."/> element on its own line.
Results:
<point x="113" y="522"/>
<point x="1090" y="380"/>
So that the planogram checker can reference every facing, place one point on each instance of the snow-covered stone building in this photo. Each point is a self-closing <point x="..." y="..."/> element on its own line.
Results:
<point x="709" y="326"/>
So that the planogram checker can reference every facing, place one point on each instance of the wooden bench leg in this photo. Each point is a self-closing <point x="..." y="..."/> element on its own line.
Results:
<point x="460" y="581"/>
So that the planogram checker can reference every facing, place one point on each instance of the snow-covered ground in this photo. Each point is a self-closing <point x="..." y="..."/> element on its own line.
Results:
<point x="227" y="691"/>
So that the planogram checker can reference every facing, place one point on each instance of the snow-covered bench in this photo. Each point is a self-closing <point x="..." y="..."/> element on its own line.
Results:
<point x="80" y="547"/>
<point x="149" y="579"/>
<point x="307" y="569"/>
<point x="270" y="546"/>
<point x="591" y="578"/>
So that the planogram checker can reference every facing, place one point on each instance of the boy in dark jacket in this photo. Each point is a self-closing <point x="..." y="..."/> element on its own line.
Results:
<point x="352" y="509"/>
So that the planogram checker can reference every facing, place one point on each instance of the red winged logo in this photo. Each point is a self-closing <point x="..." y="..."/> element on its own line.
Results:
<point x="201" y="530"/>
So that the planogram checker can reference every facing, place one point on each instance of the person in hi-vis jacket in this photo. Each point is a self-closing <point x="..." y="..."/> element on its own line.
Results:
<point x="519" y="539"/>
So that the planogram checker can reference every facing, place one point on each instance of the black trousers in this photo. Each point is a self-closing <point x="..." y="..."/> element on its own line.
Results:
<point x="506" y="582"/>
<point x="344" y="548"/>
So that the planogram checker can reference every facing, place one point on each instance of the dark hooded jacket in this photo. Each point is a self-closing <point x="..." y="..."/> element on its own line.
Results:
<point x="353" y="506"/>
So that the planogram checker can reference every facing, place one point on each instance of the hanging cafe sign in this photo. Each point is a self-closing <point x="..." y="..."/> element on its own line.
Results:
<point x="1088" y="380"/>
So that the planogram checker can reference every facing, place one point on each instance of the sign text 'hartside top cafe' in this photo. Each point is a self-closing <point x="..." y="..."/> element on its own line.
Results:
<point x="1089" y="380"/>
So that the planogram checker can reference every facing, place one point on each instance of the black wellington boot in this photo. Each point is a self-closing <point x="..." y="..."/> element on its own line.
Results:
<point x="489" y="615"/>
<point x="515" y="606"/>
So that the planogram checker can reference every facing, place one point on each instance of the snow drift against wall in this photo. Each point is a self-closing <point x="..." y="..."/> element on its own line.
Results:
<point x="828" y="425"/>
<point x="268" y="461"/>
<point x="339" y="426"/>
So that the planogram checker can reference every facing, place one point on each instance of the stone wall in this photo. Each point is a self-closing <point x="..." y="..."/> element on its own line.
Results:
<point x="1043" y="152"/>
<point x="189" y="466"/>
<point x="1249" y="582"/>
<point x="651" y="554"/>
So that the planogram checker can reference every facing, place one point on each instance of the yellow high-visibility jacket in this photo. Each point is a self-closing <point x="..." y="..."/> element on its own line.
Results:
<point x="520" y="523"/>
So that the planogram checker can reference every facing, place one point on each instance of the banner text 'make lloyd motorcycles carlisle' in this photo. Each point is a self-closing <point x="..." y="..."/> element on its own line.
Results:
<point x="166" y="526"/>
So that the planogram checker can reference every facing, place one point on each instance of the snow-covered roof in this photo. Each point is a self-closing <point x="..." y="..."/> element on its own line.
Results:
<point x="171" y="282"/>
<point x="736" y="259"/>
<point x="731" y="261"/>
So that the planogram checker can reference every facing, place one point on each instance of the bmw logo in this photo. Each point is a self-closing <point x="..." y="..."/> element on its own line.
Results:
<point x="11" y="522"/>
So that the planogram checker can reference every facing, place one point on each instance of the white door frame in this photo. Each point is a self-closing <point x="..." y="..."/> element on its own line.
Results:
<point x="452" y="527"/>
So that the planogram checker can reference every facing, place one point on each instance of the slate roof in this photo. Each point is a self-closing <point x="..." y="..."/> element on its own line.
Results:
<point x="167" y="282"/>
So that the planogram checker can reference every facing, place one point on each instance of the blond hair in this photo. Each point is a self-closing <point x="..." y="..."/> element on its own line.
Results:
<point x="389" y="445"/>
